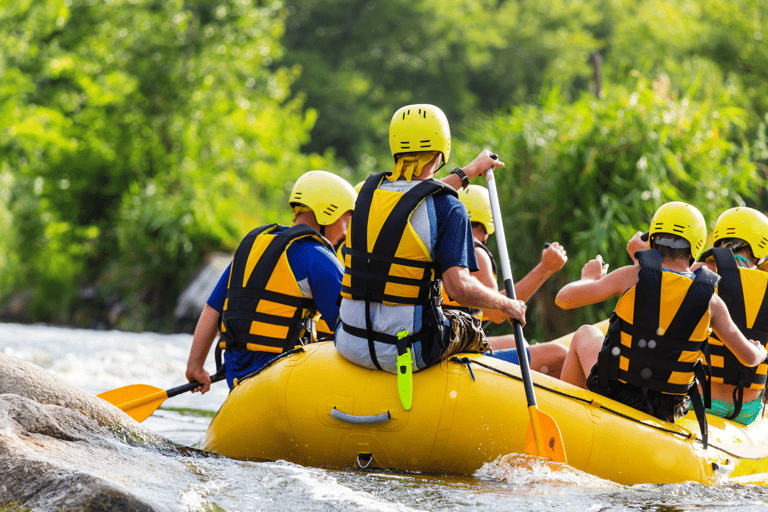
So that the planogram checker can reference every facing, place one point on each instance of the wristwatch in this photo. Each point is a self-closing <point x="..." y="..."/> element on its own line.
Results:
<point x="461" y="174"/>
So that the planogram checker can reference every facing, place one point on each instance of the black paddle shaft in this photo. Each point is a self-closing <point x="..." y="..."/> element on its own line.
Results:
<point x="189" y="386"/>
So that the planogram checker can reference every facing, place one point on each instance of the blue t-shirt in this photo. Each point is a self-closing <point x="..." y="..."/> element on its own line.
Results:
<point x="310" y="261"/>
<point x="454" y="245"/>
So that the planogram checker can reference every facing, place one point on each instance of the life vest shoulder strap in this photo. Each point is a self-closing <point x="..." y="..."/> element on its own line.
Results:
<point x="485" y="248"/>
<point x="371" y="269"/>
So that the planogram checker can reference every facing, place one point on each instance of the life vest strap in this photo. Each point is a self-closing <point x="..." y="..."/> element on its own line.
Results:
<point x="384" y="297"/>
<point x="421" y="283"/>
<point x="253" y="316"/>
<point x="281" y="298"/>
<point x="389" y="339"/>
<point x="391" y="259"/>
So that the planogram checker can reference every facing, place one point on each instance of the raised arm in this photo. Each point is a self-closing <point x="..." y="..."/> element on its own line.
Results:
<point x="595" y="285"/>
<point x="553" y="258"/>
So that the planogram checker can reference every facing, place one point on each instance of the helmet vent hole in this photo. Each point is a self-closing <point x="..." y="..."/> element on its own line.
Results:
<point x="678" y="229"/>
<point x="762" y="243"/>
<point x="297" y="195"/>
<point x="730" y="231"/>
<point x="330" y="209"/>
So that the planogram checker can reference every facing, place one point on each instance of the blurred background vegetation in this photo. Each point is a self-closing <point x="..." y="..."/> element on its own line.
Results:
<point x="139" y="136"/>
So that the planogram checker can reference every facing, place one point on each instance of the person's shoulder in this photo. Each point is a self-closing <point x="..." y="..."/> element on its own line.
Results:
<point x="449" y="203"/>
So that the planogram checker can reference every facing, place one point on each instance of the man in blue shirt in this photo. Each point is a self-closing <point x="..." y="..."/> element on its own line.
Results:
<point x="409" y="231"/>
<point x="280" y="277"/>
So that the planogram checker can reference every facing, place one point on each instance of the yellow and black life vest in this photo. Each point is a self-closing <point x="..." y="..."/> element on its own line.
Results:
<point x="386" y="262"/>
<point x="452" y="304"/>
<point x="657" y="335"/>
<point x="744" y="292"/>
<point x="265" y="310"/>
<point x="658" y="329"/>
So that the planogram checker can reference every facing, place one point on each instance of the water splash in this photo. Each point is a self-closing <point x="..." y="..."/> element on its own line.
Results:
<point x="534" y="471"/>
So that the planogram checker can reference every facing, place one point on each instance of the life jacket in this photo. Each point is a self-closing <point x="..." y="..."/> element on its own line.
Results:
<point x="744" y="292"/>
<point x="658" y="333"/>
<point x="265" y="310"/>
<point x="386" y="262"/>
<point x="452" y="304"/>
<point x="323" y="331"/>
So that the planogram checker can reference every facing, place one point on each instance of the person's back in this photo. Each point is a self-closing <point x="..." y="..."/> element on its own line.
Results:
<point x="267" y="310"/>
<point x="740" y="245"/>
<point x="409" y="231"/>
<point x="651" y="352"/>
<point x="279" y="279"/>
<point x="650" y="355"/>
<point x="396" y="292"/>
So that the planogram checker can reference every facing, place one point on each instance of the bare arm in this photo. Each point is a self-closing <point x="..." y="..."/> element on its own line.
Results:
<point x="467" y="290"/>
<point x="748" y="352"/>
<point x="553" y="258"/>
<point x="477" y="167"/>
<point x="485" y="276"/>
<point x="595" y="285"/>
<point x="205" y="332"/>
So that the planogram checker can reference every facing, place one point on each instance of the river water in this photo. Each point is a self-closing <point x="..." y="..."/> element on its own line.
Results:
<point x="97" y="361"/>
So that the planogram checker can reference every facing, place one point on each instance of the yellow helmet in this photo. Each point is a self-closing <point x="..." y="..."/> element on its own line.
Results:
<point x="478" y="203"/>
<point x="416" y="128"/>
<point x="746" y="224"/>
<point x="328" y="196"/>
<point x="681" y="219"/>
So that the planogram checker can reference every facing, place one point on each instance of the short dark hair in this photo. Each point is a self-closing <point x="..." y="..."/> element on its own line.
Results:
<point x="680" y="253"/>
<point x="480" y="224"/>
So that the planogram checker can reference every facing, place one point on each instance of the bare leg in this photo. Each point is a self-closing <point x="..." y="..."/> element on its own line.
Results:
<point x="546" y="358"/>
<point x="582" y="355"/>
<point x="502" y="342"/>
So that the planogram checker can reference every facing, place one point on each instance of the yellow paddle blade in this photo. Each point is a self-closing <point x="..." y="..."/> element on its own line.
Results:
<point x="138" y="401"/>
<point x="551" y="437"/>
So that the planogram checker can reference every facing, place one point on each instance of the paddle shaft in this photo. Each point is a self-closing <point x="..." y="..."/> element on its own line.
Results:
<point x="509" y="286"/>
<point x="189" y="386"/>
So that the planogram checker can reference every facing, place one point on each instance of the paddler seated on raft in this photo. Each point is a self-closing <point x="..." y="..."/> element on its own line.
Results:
<point x="279" y="278"/>
<point x="408" y="232"/>
<point x="545" y="358"/>
<point x="740" y="244"/>
<point x="649" y="359"/>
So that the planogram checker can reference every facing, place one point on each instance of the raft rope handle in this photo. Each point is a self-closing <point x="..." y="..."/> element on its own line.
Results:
<point x="369" y="456"/>
<point x="360" y="420"/>
<point x="467" y="361"/>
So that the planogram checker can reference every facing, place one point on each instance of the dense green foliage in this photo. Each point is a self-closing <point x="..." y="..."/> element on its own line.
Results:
<point x="137" y="136"/>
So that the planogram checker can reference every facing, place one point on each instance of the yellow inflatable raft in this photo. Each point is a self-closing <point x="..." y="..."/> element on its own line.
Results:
<point x="314" y="408"/>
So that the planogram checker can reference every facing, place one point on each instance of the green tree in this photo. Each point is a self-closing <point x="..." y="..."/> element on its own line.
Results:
<point x="363" y="59"/>
<point x="591" y="173"/>
<point x="138" y="135"/>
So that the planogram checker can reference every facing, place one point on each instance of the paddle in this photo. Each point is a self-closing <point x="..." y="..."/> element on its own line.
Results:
<point x="543" y="437"/>
<point x="139" y="401"/>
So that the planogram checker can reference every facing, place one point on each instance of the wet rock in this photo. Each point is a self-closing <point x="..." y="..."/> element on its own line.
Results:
<point x="57" y="442"/>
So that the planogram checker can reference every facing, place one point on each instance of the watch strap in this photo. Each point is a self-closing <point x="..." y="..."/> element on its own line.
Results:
<point x="462" y="175"/>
